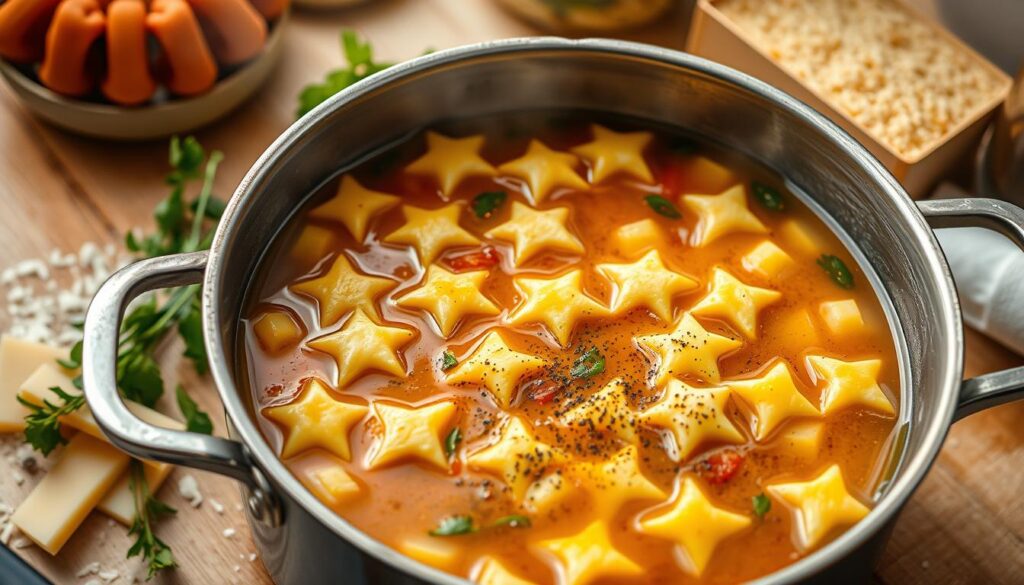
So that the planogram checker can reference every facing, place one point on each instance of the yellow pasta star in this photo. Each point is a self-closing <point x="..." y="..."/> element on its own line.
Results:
<point x="496" y="367"/>
<point x="617" y="481"/>
<point x="362" y="345"/>
<point x="850" y="384"/>
<point x="773" y="398"/>
<point x="820" y="506"/>
<point x="517" y="457"/>
<point x="589" y="555"/>
<point x="432" y="231"/>
<point x="490" y="571"/>
<point x="316" y="419"/>
<point x="411" y="433"/>
<point x="692" y="417"/>
<point x="450" y="160"/>
<point x="689" y="349"/>
<point x="556" y="302"/>
<point x="544" y="169"/>
<point x="354" y="206"/>
<point x="450" y="297"/>
<point x="614" y="152"/>
<point x="721" y="215"/>
<point x="343" y="289"/>
<point x="606" y="411"/>
<point x="694" y="524"/>
<point x="735" y="302"/>
<point x="646" y="283"/>
<point x="532" y="232"/>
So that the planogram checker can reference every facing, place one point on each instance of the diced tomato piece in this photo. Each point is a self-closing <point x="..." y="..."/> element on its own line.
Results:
<point x="484" y="258"/>
<point x="456" y="467"/>
<point x="671" y="177"/>
<point x="721" y="467"/>
<point x="543" y="391"/>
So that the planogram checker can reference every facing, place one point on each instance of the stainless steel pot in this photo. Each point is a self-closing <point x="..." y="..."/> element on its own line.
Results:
<point x="302" y="541"/>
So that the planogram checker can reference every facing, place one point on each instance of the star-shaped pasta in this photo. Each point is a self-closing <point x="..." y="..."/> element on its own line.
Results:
<point x="606" y="411"/>
<point x="694" y="524"/>
<point x="544" y="170"/>
<point x="361" y="345"/>
<point x="496" y="367"/>
<point x="692" y="418"/>
<point x="558" y="303"/>
<point x="518" y="457"/>
<point x="819" y="506"/>
<point x="547" y="492"/>
<point x="721" y="215"/>
<point x="450" y="297"/>
<point x="316" y="419"/>
<point x="689" y="349"/>
<point x="774" y="398"/>
<point x="735" y="302"/>
<point x="850" y="384"/>
<point x="432" y="231"/>
<point x="490" y="571"/>
<point x="411" y="433"/>
<point x="588" y="556"/>
<point x="451" y="160"/>
<point x="532" y="232"/>
<point x="645" y="283"/>
<point x="354" y="206"/>
<point x="610" y="153"/>
<point x="616" y="481"/>
<point x="343" y="289"/>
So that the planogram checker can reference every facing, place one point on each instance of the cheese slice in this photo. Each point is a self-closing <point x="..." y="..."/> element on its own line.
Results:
<point x="18" y="359"/>
<point x="71" y="489"/>
<point x="118" y="503"/>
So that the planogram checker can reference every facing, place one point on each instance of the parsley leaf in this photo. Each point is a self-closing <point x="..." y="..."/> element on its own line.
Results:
<point x="454" y="526"/>
<point x="762" y="504"/>
<point x="836" y="270"/>
<point x="588" y="365"/>
<point x="74" y="360"/>
<point x="451" y="442"/>
<point x="196" y="421"/>
<point x="768" y="197"/>
<point x="487" y="202"/>
<point x="148" y="509"/>
<point x="448" y="361"/>
<point x="190" y="327"/>
<point x="42" y="428"/>
<point x="663" y="206"/>
<point x="361" y="65"/>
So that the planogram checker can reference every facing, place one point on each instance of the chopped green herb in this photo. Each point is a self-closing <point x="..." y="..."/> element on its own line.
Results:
<point x="762" y="505"/>
<point x="768" y="197"/>
<point x="663" y="206"/>
<point x="836" y="270"/>
<point x="588" y="365"/>
<point x="513" y="521"/>
<point x="196" y="421"/>
<point x="448" y="361"/>
<point x="42" y="424"/>
<point x="487" y="202"/>
<point x="451" y="442"/>
<point x="74" y="360"/>
<point x="361" y="65"/>
<point x="454" y="526"/>
<point x="148" y="509"/>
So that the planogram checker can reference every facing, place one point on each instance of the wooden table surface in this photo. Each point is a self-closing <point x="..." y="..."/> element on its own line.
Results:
<point x="964" y="525"/>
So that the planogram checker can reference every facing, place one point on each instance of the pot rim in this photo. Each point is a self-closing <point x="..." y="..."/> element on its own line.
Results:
<point x="914" y="465"/>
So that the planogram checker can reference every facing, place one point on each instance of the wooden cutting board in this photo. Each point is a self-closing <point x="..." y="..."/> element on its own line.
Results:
<point x="965" y="524"/>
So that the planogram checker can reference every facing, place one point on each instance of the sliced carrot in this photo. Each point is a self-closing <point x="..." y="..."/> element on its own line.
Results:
<point x="235" y="30"/>
<point x="270" y="9"/>
<point x="76" y="26"/>
<point x="23" y="28"/>
<point x="190" y="64"/>
<point x="129" y="81"/>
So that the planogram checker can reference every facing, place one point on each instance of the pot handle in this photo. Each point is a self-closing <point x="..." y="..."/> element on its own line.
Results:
<point x="986" y="390"/>
<point x="126" y="431"/>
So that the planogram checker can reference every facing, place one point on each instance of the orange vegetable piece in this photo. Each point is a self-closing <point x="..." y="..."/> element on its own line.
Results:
<point x="128" y="81"/>
<point x="192" y="69"/>
<point x="270" y="9"/>
<point x="76" y="26"/>
<point x="235" y="30"/>
<point x="23" y="28"/>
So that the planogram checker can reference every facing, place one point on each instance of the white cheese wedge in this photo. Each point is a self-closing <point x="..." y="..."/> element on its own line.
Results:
<point x="118" y="503"/>
<point x="18" y="359"/>
<point x="85" y="471"/>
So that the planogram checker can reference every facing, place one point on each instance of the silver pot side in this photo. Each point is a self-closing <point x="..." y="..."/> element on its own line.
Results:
<point x="301" y="540"/>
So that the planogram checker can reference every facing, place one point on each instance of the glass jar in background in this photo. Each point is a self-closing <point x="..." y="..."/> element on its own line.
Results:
<point x="587" y="15"/>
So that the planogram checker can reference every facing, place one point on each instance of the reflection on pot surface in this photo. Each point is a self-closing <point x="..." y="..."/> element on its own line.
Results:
<point x="566" y="347"/>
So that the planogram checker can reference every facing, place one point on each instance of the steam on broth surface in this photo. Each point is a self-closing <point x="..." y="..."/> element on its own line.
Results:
<point x="568" y="349"/>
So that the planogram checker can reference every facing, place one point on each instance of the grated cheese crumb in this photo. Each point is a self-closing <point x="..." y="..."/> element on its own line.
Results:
<point x="21" y="542"/>
<point x="90" y="569"/>
<point x="109" y="575"/>
<point x="189" y="489"/>
<point x="217" y="506"/>
<point x="228" y="532"/>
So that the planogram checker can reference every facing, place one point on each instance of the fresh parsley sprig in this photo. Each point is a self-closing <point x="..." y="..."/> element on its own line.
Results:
<point x="42" y="429"/>
<point x="148" y="509"/>
<point x="361" y="65"/>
